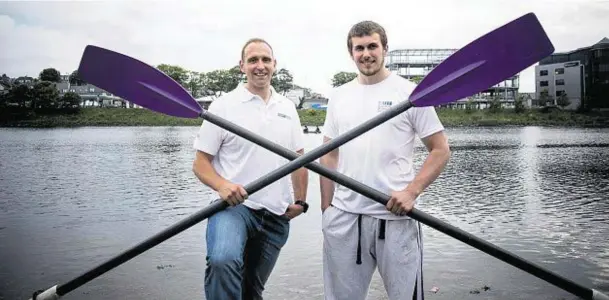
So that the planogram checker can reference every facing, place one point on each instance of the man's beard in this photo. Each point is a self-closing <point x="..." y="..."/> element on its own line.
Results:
<point x="373" y="71"/>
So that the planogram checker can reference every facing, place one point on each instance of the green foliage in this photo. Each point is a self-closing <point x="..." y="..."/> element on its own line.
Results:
<point x="282" y="81"/>
<point x="519" y="106"/>
<point x="50" y="74"/>
<point x="416" y="79"/>
<point x="177" y="73"/>
<point x="75" y="79"/>
<point x="341" y="78"/>
<point x="563" y="100"/>
<point x="469" y="106"/>
<point x="545" y="99"/>
<point x="45" y="96"/>
<point x="70" y="102"/>
<point x="495" y="105"/>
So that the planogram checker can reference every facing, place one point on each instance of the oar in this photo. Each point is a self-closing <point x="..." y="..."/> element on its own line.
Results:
<point x="169" y="104"/>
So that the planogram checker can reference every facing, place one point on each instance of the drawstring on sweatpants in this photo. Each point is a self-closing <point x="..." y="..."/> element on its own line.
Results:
<point x="359" y="237"/>
<point x="359" y="240"/>
<point x="382" y="230"/>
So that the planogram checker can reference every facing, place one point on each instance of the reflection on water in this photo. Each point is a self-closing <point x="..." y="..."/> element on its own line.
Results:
<point x="72" y="198"/>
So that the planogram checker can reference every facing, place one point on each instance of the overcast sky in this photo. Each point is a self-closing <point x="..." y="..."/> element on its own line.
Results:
<point x="309" y="37"/>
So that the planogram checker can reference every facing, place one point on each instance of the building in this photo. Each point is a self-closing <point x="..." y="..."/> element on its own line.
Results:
<point x="558" y="79"/>
<point x="91" y="95"/>
<point x="410" y="63"/>
<point x="593" y="80"/>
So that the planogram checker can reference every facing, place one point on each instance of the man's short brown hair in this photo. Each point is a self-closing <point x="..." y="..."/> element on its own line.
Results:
<point x="364" y="28"/>
<point x="254" y="40"/>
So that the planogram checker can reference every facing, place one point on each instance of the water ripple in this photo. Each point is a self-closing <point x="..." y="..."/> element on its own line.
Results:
<point x="72" y="198"/>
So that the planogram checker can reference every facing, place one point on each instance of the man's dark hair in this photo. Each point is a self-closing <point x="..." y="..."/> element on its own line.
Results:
<point x="254" y="40"/>
<point x="364" y="28"/>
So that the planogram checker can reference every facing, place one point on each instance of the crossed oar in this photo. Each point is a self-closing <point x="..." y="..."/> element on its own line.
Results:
<point x="484" y="62"/>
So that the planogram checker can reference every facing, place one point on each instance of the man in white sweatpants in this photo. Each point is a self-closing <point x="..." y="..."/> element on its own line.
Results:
<point x="359" y="233"/>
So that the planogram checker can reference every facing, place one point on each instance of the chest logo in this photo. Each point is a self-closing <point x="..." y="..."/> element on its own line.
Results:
<point x="284" y="116"/>
<point x="383" y="105"/>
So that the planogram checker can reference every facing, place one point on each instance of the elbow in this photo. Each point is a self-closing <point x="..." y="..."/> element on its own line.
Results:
<point x="195" y="168"/>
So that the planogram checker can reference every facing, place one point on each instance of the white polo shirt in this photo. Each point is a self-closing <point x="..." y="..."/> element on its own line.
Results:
<point x="241" y="161"/>
<point x="382" y="157"/>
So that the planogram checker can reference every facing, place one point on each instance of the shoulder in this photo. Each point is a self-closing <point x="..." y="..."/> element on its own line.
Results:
<point x="226" y="100"/>
<point x="404" y="85"/>
<point x="343" y="91"/>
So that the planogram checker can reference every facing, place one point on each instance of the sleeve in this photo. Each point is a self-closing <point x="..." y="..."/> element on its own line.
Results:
<point x="297" y="135"/>
<point x="330" y="129"/>
<point x="210" y="136"/>
<point x="425" y="121"/>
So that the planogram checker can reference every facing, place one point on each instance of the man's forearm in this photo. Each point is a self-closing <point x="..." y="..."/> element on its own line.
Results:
<point x="300" y="180"/>
<point x="432" y="167"/>
<point x="326" y="185"/>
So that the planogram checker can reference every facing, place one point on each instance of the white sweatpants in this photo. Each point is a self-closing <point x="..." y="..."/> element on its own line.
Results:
<point x="394" y="246"/>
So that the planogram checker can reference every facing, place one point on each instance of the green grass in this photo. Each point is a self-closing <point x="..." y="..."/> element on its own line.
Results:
<point x="450" y="118"/>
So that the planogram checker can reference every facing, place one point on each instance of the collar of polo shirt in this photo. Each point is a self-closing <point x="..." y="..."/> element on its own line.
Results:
<point x="247" y="95"/>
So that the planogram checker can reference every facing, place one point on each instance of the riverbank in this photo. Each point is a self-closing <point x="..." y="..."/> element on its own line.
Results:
<point x="450" y="117"/>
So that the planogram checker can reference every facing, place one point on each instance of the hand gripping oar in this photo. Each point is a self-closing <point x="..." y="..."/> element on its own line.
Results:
<point x="182" y="104"/>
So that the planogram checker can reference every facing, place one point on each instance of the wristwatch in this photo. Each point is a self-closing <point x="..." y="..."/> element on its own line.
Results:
<point x="304" y="205"/>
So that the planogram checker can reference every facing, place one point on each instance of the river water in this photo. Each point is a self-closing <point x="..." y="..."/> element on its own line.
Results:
<point x="72" y="198"/>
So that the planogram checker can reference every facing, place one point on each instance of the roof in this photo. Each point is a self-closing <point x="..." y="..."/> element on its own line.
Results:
<point x="604" y="42"/>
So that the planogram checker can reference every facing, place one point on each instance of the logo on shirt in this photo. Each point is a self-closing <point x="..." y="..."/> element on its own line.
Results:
<point x="284" y="116"/>
<point x="383" y="105"/>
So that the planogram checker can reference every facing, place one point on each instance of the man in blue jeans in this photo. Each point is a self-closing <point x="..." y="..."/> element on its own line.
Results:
<point x="244" y="240"/>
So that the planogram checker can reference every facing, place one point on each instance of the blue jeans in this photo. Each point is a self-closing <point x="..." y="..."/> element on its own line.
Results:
<point x="242" y="247"/>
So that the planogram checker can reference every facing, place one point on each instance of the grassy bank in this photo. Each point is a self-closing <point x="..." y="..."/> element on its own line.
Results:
<point x="451" y="118"/>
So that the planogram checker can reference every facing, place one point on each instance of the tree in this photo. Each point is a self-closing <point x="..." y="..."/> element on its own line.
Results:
<point x="341" y="78"/>
<point x="50" y="74"/>
<point x="222" y="81"/>
<point x="544" y="98"/>
<point x="495" y="105"/>
<point x="563" y="101"/>
<point x="70" y="101"/>
<point x="45" y="95"/>
<point x="195" y="83"/>
<point x="20" y="94"/>
<point x="75" y="79"/>
<point x="177" y="73"/>
<point x="282" y="81"/>
<point x="519" y="104"/>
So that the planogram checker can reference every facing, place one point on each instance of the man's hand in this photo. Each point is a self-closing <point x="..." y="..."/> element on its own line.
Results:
<point x="401" y="202"/>
<point x="232" y="193"/>
<point x="294" y="210"/>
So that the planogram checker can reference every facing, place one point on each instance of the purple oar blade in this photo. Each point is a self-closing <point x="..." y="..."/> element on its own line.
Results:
<point x="137" y="82"/>
<point x="504" y="52"/>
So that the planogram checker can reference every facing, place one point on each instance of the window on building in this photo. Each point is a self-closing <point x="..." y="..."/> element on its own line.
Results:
<point x="559" y="93"/>
<point x="543" y="83"/>
<point x="559" y="71"/>
<point x="543" y="73"/>
<point x="560" y="82"/>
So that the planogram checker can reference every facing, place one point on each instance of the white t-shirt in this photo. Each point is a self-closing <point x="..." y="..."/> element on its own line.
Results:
<point x="241" y="161"/>
<point x="381" y="158"/>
